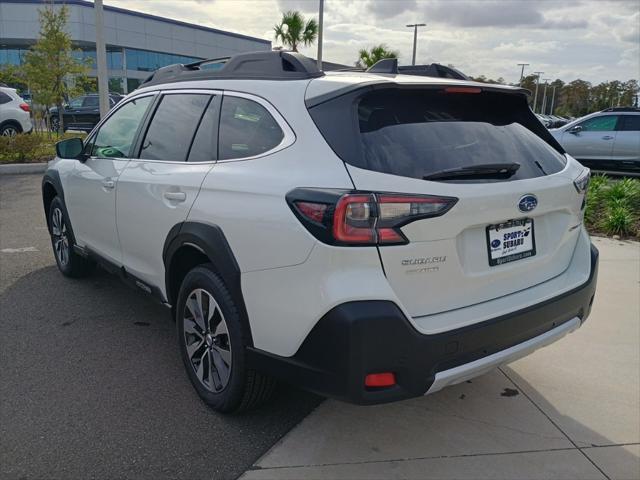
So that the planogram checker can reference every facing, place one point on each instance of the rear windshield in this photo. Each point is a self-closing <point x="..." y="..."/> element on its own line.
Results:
<point x="415" y="133"/>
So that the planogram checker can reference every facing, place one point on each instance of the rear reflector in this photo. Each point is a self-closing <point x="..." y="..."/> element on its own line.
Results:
<point x="386" y="379"/>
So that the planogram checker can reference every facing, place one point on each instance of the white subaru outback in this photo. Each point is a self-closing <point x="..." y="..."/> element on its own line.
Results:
<point x="368" y="236"/>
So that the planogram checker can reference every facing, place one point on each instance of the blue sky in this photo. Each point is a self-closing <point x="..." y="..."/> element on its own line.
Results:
<point x="567" y="39"/>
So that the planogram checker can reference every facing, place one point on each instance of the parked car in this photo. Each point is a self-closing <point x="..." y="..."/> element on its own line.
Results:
<point x="544" y="120"/>
<point x="81" y="113"/>
<point x="369" y="237"/>
<point x="607" y="140"/>
<point x="14" y="113"/>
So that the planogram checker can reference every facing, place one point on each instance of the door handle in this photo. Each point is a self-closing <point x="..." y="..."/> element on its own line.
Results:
<point x="110" y="184"/>
<point x="175" y="196"/>
<point x="607" y="137"/>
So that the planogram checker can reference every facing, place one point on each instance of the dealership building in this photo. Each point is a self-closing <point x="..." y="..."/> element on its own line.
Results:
<point x="137" y="43"/>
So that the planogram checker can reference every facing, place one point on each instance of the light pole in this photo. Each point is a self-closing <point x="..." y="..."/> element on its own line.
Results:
<point x="415" y="38"/>
<point x="320" y="18"/>
<point x="553" y="99"/>
<point x="544" y="97"/>
<point x="101" y="60"/>
<point x="535" y="96"/>
<point x="522" y="71"/>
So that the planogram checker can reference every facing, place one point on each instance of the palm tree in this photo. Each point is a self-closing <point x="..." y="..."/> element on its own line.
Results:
<point x="293" y="30"/>
<point x="370" y="57"/>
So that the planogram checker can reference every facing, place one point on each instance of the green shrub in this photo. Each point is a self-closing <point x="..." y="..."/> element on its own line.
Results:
<point x="33" y="147"/>
<point x="613" y="206"/>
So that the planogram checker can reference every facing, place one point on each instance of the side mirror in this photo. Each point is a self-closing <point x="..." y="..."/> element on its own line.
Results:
<point x="70" y="148"/>
<point x="576" y="129"/>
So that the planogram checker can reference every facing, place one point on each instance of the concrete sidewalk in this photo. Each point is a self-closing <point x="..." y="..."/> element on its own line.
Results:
<point x="569" y="411"/>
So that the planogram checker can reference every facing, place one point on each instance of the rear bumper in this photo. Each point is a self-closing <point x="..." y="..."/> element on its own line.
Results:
<point x="358" y="338"/>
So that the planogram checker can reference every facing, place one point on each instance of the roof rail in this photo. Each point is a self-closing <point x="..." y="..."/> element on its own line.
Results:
<point x="275" y="65"/>
<point x="622" y="109"/>
<point x="390" y="65"/>
<point x="433" y="70"/>
<point x="386" y="65"/>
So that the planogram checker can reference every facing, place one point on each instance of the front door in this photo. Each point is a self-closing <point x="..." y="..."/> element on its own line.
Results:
<point x="91" y="188"/>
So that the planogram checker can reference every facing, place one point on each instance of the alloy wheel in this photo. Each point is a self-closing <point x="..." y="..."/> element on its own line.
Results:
<point x="60" y="236"/>
<point x="207" y="341"/>
<point x="9" y="131"/>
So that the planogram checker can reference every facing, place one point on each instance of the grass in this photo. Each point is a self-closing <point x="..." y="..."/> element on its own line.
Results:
<point x="613" y="206"/>
<point x="31" y="148"/>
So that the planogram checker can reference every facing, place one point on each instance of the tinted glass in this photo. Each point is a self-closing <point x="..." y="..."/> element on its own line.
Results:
<point x="90" y="102"/>
<point x="116" y="135"/>
<point x="630" y="123"/>
<point x="415" y="133"/>
<point x="4" y="98"/>
<point x="173" y="127"/>
<point x="246" y="129"/>
<point x="205" y="143"/>
<point x="75" y="103"/>
<point x="606" y="123"/>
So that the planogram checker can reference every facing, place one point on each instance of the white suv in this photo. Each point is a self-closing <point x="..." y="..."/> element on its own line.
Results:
<point x="14" y="113"/>
<point x="367" y="236"/>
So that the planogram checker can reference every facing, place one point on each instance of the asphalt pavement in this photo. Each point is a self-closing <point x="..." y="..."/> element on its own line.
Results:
<point x="91" y="382"/>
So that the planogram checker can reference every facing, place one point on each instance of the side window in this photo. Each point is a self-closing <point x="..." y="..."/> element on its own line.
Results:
<point x="173" y="126"/>
<point x="91" y="102"/>
<point x="4" y="98"/>
<point x="116" y="135"/>
<point x="606" y="123"/>
<point x="630" y="123"/>
<point x="205" y="143"/>
<point x="246" y="129"/>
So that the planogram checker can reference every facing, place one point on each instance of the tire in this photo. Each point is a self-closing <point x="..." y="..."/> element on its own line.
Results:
<point x="69" y="262"/>
<point x="10" y="130"/>
<point x="219" y="342"/>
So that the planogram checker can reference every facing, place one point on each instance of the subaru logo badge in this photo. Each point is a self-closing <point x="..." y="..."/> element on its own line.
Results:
<point x="527" y="203"/>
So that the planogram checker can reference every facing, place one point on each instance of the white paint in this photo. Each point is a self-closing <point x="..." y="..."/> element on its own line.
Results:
<point x="19" y="250"/>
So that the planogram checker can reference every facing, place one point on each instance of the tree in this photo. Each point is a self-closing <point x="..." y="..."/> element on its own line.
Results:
<point x="368" y="58"/>
<point x="51" y="63"/>
<point x="293" y="30"/>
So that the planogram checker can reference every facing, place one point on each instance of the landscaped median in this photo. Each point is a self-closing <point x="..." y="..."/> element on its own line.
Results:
<point x="36" y="147"/>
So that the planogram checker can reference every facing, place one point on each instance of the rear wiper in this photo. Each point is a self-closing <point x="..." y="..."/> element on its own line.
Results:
<point x="487" y="170"/>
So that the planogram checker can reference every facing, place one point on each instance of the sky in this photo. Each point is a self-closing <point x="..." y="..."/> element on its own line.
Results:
<point x="595" y="40"/>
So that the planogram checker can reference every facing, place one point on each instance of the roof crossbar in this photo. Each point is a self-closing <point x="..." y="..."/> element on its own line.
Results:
<point x="277" y="65"/>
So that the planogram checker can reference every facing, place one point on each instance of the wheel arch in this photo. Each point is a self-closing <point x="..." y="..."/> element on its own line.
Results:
<point x="190" y="244"/>
<point x="51" y="188"/>
<point x="13" y="122"/>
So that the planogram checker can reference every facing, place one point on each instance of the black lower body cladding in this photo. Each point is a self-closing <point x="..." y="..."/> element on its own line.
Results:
<point x="359" y="338"/>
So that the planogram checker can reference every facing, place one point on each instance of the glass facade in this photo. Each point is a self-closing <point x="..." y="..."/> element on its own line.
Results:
<point x="139" y="60"/>
<point x="147" y="61"/>
<point x="12" y="56"/>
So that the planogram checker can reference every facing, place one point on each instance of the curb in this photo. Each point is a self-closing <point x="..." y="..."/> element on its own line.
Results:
<point x="22" y="168"/>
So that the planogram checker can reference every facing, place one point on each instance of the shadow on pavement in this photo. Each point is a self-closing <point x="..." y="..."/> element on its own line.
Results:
<point x="92" y="386"/>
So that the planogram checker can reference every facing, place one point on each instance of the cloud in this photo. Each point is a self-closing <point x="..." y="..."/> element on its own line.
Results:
<point x="595" y="40"/>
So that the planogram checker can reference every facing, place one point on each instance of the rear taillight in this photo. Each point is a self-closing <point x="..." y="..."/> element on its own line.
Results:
<point x="582" y="181"/>
<point x="338" y="217"/>
<point x="25" y="107"/>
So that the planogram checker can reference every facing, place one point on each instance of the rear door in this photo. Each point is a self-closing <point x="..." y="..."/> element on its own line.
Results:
<point x="157" y="189"/>
<point x="626" y="149"/>
<point x="503" y="234"/>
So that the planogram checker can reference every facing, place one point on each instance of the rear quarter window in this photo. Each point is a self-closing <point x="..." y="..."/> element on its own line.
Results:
<point x="247" y="129"/>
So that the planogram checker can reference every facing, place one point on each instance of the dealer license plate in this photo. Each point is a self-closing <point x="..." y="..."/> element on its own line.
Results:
<point x="510" y="241"/>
